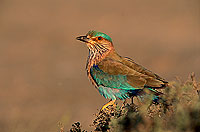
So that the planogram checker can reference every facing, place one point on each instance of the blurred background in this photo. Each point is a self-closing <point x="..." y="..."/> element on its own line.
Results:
<point x="42" y="67"/>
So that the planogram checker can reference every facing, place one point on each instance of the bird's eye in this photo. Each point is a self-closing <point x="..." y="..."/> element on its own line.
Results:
<point x="99" y="38"/>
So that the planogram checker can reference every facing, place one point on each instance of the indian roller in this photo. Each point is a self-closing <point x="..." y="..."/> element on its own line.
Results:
<point x="114" y="76"/>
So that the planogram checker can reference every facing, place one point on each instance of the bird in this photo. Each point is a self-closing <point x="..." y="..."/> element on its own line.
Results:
<point x="114" y="76"/>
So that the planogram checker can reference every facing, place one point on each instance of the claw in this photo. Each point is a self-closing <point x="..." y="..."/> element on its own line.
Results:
<point x="112" y="102"/>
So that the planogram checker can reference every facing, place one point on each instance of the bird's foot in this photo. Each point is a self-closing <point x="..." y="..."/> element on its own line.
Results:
<point x="108" y="104"/>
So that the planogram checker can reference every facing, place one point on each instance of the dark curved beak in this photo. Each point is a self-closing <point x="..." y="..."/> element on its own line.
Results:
<point x="83" y="38"/>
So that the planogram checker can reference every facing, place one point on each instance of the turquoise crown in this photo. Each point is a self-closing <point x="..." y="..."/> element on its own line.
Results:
<point x="96" y="34"/>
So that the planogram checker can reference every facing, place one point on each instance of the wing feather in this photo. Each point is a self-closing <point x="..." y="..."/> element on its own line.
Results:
<point x="136" y="75"/>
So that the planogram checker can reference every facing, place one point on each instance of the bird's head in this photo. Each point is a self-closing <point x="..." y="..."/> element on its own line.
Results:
<point x="97" y="42"/>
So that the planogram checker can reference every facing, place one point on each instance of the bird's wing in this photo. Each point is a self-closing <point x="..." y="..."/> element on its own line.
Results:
<point x="130" y="63"/>
<point x="124" y="74"/>
<point x="152" y="80"/>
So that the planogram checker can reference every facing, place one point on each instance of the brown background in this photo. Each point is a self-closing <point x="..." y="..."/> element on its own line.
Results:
<point x="42" y="66"/>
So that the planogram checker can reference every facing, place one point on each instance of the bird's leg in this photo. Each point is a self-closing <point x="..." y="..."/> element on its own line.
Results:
<point x="132" y="100"/>
<point x="112" y="102"/>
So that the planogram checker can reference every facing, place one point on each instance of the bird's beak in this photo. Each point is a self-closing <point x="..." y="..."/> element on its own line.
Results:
<point x="83" y="38"/>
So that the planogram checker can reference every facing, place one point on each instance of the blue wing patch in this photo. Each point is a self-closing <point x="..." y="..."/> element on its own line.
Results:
<point x="112" y="86"/>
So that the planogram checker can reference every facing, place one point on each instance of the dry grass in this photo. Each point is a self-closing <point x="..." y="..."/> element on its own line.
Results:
<point x="179" y="110"/>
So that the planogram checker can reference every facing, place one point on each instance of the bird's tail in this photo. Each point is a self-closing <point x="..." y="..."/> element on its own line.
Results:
<point x="155" y="93"/>
<point x="155" y="90"/>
